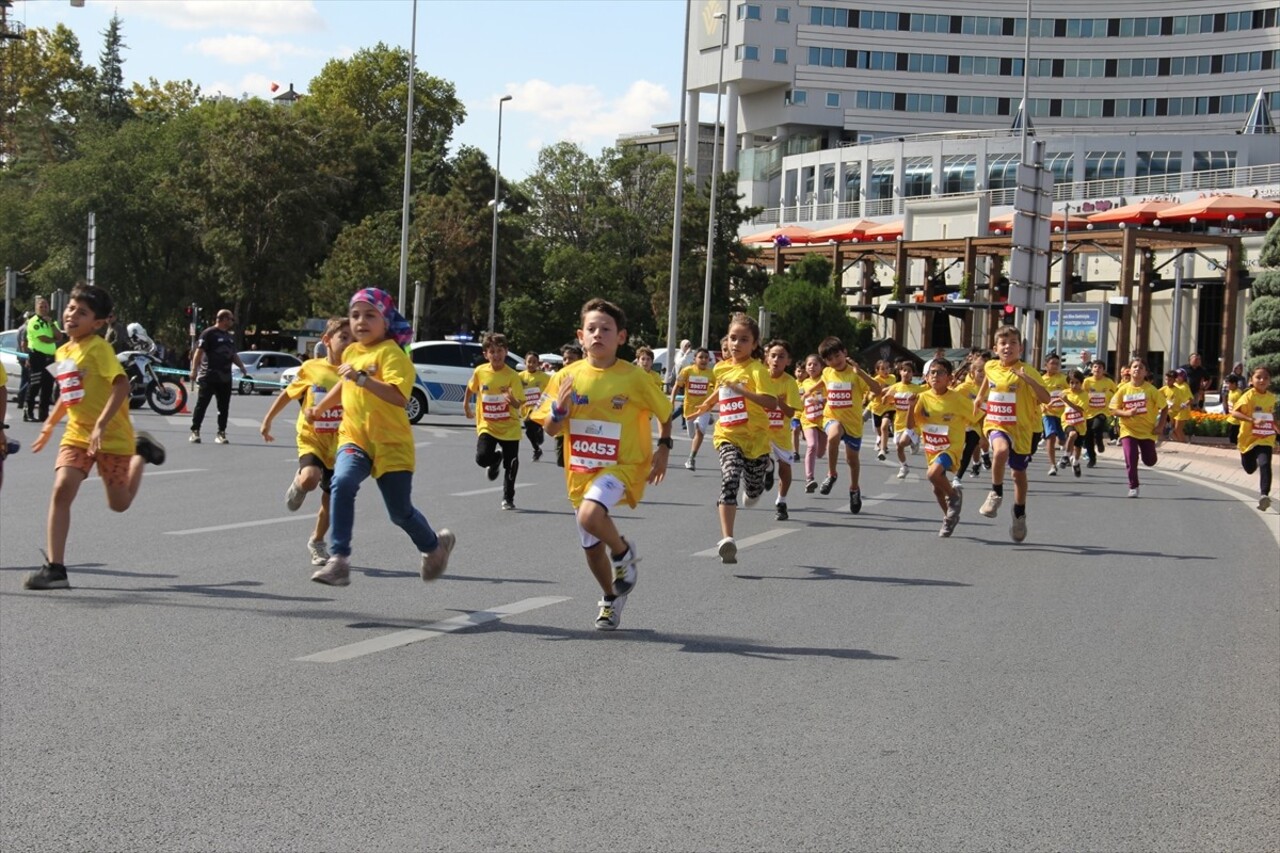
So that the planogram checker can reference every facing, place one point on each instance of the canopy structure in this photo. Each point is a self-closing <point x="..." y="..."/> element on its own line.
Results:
<point x="1259" y="120"/>
<point x="1139" y="213"/>
<point x="887" y="231"/>
<point x="1001" y="224"/>
<point x="793" y="233"/>
<point x="1221" y="208"/>
<point x="843" y="232"/>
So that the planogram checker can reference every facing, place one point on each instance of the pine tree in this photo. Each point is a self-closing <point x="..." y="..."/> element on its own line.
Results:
<point x="1263" y="317"/>
<point x="113" y="105"/>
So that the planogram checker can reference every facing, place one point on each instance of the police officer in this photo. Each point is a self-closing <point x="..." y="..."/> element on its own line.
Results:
<point x="42" y="343"/>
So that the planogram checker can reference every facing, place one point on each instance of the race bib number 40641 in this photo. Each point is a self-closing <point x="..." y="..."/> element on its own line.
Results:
<point x="593" y="444"/>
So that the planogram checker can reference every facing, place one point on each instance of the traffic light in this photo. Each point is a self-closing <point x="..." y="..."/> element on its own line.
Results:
<point x="189" y="312"/>
<point x="1009" y="311"/>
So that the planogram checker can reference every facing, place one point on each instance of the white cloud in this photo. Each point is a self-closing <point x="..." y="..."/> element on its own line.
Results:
<point x="251" y="50"/>
<point x="270" y="17"/>
<point x="582" y="113"/>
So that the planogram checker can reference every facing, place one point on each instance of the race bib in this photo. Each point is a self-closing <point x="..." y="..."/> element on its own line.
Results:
<point x="1135" y="403"/>
<point x="593" y="444"/>
<point x="697" y="386"/>
<point x="1072" y="417"/>
<point x="1097" y="400"/>
<point x="532" y="394"/>
<point x="70" y="386"/>
<point x="495" y="407"/>
<point x="1055" y="400"/>
<point x="840" y="395"/>
<point x="776" y="420"/>
<point x="328" y="421"/>
<point x="937" y="438"/>
<point x="1264" y="425"/>
<point x="813" y="408"/>
<point x="733" y="407"/>
<point x="1002" y="407"/>
<point x="902" y="401"/>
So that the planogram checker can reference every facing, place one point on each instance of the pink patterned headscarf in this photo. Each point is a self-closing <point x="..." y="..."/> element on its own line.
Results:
<point x="397" y="326"/>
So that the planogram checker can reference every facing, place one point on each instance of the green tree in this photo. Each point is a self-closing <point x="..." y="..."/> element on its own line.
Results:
<point x="1263" y="316"/>
<point x="163" y="101"/>
<point x="112" y="100"/>
<point x="47" y="90"/>
<point x="805" y="308"/>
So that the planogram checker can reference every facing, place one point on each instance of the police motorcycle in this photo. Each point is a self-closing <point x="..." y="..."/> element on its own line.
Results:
<point x="166" y="395"/>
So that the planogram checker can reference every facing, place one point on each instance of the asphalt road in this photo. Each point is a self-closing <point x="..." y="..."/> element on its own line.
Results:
<point x="853" y="683"/>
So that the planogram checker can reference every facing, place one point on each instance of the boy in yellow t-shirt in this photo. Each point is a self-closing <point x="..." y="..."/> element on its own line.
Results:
<point x="1011" y="393"/>
<point x="604" y="406"/>
<point x="93" y="395"/>
<point x="1256" y="410"/>
<point x="941" y="414"/>
<point x="1141" y="410"/>
<point x="644" y="360"/>
<point x="777" y="357"/>
<point x="901" y="397"/>
<point x="695" y="381"/>
<point x="317" y="442"/>
<point x="1055" y="381"/>
<point x="1099" y="388"/>
<point x="500" y="394"/>
<point x="1233" y="388"/>
<point x="845" y="386"/>
<point x="882" y="408"/>
<point x="535" y="380"/>
<point x="1178" y="396"/>
<point x="1075" y="407"/>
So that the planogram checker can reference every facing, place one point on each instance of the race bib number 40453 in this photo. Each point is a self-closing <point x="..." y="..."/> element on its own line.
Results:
<point x="593" y="444"/>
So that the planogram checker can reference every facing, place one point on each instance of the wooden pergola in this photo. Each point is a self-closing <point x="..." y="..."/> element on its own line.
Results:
<point x="1133" y="246"/>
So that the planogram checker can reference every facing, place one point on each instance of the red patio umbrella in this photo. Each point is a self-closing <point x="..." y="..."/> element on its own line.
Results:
<point x="794" y="233"/>
<point x="887" y="231"/>
<point x="843" y="231"/>
<point x="1221" y="208"/>
<point x="1139" y="213"/>
<point x="1074" y="223"/>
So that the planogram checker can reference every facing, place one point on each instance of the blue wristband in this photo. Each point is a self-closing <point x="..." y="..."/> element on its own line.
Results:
<point x="558" y="414"/>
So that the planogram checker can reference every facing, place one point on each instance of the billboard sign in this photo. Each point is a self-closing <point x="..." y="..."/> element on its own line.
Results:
<point x="1083" y="329"/>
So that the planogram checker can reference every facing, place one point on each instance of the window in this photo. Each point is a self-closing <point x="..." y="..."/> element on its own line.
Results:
<point x="917" y="177"/>
<point x="746" y="53"/>
<point x="780" y="55"/>
<point x="881" y="185"/>
<point x="748" y="11"/>
<point x="959" y="173"/>
<point x="445" y="353"/>
<point x="1207" y="160"/>
<point x="1002" y="171"/>
<point x="1103" y="165"/>
<point x="833" y="99"/>
<point x="1160" y="162"/>
<point x="782" y="15"/>
<point x="795" y="97"/>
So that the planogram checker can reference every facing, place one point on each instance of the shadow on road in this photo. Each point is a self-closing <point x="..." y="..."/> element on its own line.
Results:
<point x="827" y="573"/>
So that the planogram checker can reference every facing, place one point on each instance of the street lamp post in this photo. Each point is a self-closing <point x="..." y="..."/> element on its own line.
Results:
<point x="715" y="171"/>
<point x="408" y="162"/>
<point x="493" y="253"/>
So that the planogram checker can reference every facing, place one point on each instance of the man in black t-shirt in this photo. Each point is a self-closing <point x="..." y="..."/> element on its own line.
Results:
<point x="211" y="370"/>
<point x="1197" y="380"/>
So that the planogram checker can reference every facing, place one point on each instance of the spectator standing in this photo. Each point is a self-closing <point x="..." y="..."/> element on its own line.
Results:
<point x="24" y="376"/>
<point x="684" y="358"/>
<point x="1197" y="380"/>
<point x="211" y="370"/>
<point x="42" y="343"/>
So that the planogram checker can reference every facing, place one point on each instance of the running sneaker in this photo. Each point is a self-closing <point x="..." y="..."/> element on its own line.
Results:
<point x="336" y="571"/>
<point x="293" y="497"/>
<point x="319" y="553"/>
<point x="780" y="512"/>
<point x="434" y="564"/>
<point x="1133" y="493"/>
<point x="977" y="468"/>
<point x="986" y="460"/>
<point x="610" y="616"/>
<point x="810" y="486"/>
<point x="952" y="516"/>
<point x="537" y="454"/>
<point x="1053" y="470"/>
<point x="1264" y="503"/>
<point x="728" y="550"/>
<point x="194" y="438"/>
<point x="1018" y="529"/>
<point x="795" y="457"/>
<point x="748" y="502"/>
<point x="880" y="454"/>
<point x="957" y="483"/>
<point x="493" y="469"/>
<point x="991" y="505"/>
<point x="903" y="470"/>
<point x="1064" y="462"/>
<point x="220" y="438"/>
<point x="1075" y="467"/>
<point x="50" y="576"/>
<point x="690" y="465"/>
<point x="855" y="501"/>
<point x="625" y="570"/>
<point x="827" y="483"/>
<point x="146" y="446"/>
<point x="768" y="475"/>
<point x="508" y="504"/>
<point x="1092" y="463"/>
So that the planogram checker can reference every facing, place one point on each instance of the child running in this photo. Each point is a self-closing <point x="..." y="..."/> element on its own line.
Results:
<point x="844" y="385"/>
<point x="1013" y="393"/>
<point x="1099" y="388"/>
<point x="695" y="381"/>
<point x="797" y="431"/>
<point x="1055" y="381"/>
<point x="500" y="393"/>
<point x="569" y="353"/>
<point x="93" y="395"/>
<point x="318" y="441"/>
<point x="777" y="357"/>
<point x="534" y="380"/>
<point x="742" y="394"/>
<point x="1257" y="442"/>
<point x="1178" y="397"/>
<point x="1235" y="388"/>
<point x="1075" y="409"/>
<point x="815" y="438"/>
<point x="374" y="438"/>
<point x="882" y="408"/>
<point x="1136" y="404"/>
<point x="942" y="413"/>
<point x="901" y="395"/>
<point x="604" y="405"/>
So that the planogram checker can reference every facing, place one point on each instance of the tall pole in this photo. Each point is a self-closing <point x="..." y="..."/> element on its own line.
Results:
<point x="493" y="252"/>
<point x="1175" y="346"/>
<point x="715" y="171"/>
<point x="673" y="290"/>
<point x="408" y="161"/>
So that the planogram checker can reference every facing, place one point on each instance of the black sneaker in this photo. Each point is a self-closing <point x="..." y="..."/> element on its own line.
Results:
<point x="855" y="501"/>
<point x="146" y="446"/>
<point x="781" y="512"/>
<point x="537" y="454"/>
<point x="827" y="483"/>
<point x="810" y="487"/>
<point x="986" y="461"/>
<point x="1092" y="463"/>
<point x="493" y="470"/>
<point x="768" y="475"/>
<point x="50" y="576"/>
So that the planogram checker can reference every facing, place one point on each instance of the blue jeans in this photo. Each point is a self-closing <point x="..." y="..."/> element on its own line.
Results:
<point x="352" y="468"/>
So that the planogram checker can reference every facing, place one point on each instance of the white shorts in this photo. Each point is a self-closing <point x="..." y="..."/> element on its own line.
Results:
<point x="605" y="490"/>
<point x="701" y="422"/>
<point x="780" y="454"/>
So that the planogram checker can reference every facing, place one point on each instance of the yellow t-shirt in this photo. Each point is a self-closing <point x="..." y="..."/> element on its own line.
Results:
<point x="879" y="405"/>
<point x="1012" y="407"/>
<point x="1179" y="397"/>
<point x="534" y="382"/>
<point x="1234" y="396"/>
<point x="379" y="428"/>
<point x="1072" y="419"/>
<point x="787" y="390"/>
<point x="1146" y="401"/>
<point x="969" y="388"/>
<point x="901" y="398"/>
<point x="812" y="405"/>
<point x="316" y="378"/>
<point x="85" y="371"/>
<point x="844" y="393"/>
<point x="1261" y="429"/>
<point x="608" y="429"/>
<point x="4" y="377"/>
<point x="739" y="421"/>
<point x="494" y="414"/>
<point x="696" y="384"/>
<point x="942" y="419"/>
<point x="1099" y="393"/>
<point x="1057" y="385"/>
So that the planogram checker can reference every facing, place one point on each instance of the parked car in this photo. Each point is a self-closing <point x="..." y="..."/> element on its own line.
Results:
<point x="9" y="357"/>
<point x="445" y="367"/>
<point x="264" y="369"/>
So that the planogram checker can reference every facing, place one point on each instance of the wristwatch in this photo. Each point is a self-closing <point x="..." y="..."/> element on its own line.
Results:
<point x="666" y="442"/>
<point x="361" y="378"/>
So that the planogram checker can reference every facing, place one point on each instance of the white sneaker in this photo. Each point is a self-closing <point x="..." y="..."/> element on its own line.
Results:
<point x="1053" y="471"/>
<point x="220" y="438"/>
<point x="1133" y="493"/>
<point x="293" y="497"/>
<point x="1264" y="503"/>
<point x="625" y="571"/>
<point x="957" y="483"/>
<point x="1018" y="529"/>
<point x="610" y="616"/>
<point x="880" y="455"/>
<point x="903" y="470"/>
<point x="336" y="571"/>
<point x="748" y="502"/>
<point x="991" y="505"/>
<point x="690" y="465"/>
<point x="728" y="550"/>
<point x="319" y="553"/>
<point x="434" y="564"/>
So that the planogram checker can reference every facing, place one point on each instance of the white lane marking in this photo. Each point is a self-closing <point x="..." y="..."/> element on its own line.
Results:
<point x="261" y="522"/>
<point x="751" y="540"/>
<point x="159" y="473"/>
<point x="438" y="432"/>
<point x="427" y="632"/>
<point x="422" y="443"/>
<point x="489" y="491"/>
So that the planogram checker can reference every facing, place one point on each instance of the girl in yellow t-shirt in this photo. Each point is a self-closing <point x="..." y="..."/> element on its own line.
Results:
<point x="881" y="406"/>
<point x="777" y="356"/>
<point x="534" y="380"/>
<point x="1141" y="410"/>
<point x="317" y="442"/>
<point x="1074" y="416"/>
<point x="813" y="402"/>
<point x="1178" y="396"/>
<point x="374" y="438"/>
<point x="900" y="398"/>
<point x="743" y="395"/>
<point x="1256" y="409"/>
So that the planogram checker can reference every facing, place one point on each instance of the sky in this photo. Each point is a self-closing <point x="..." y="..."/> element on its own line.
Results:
<point x="578" y="70"/>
